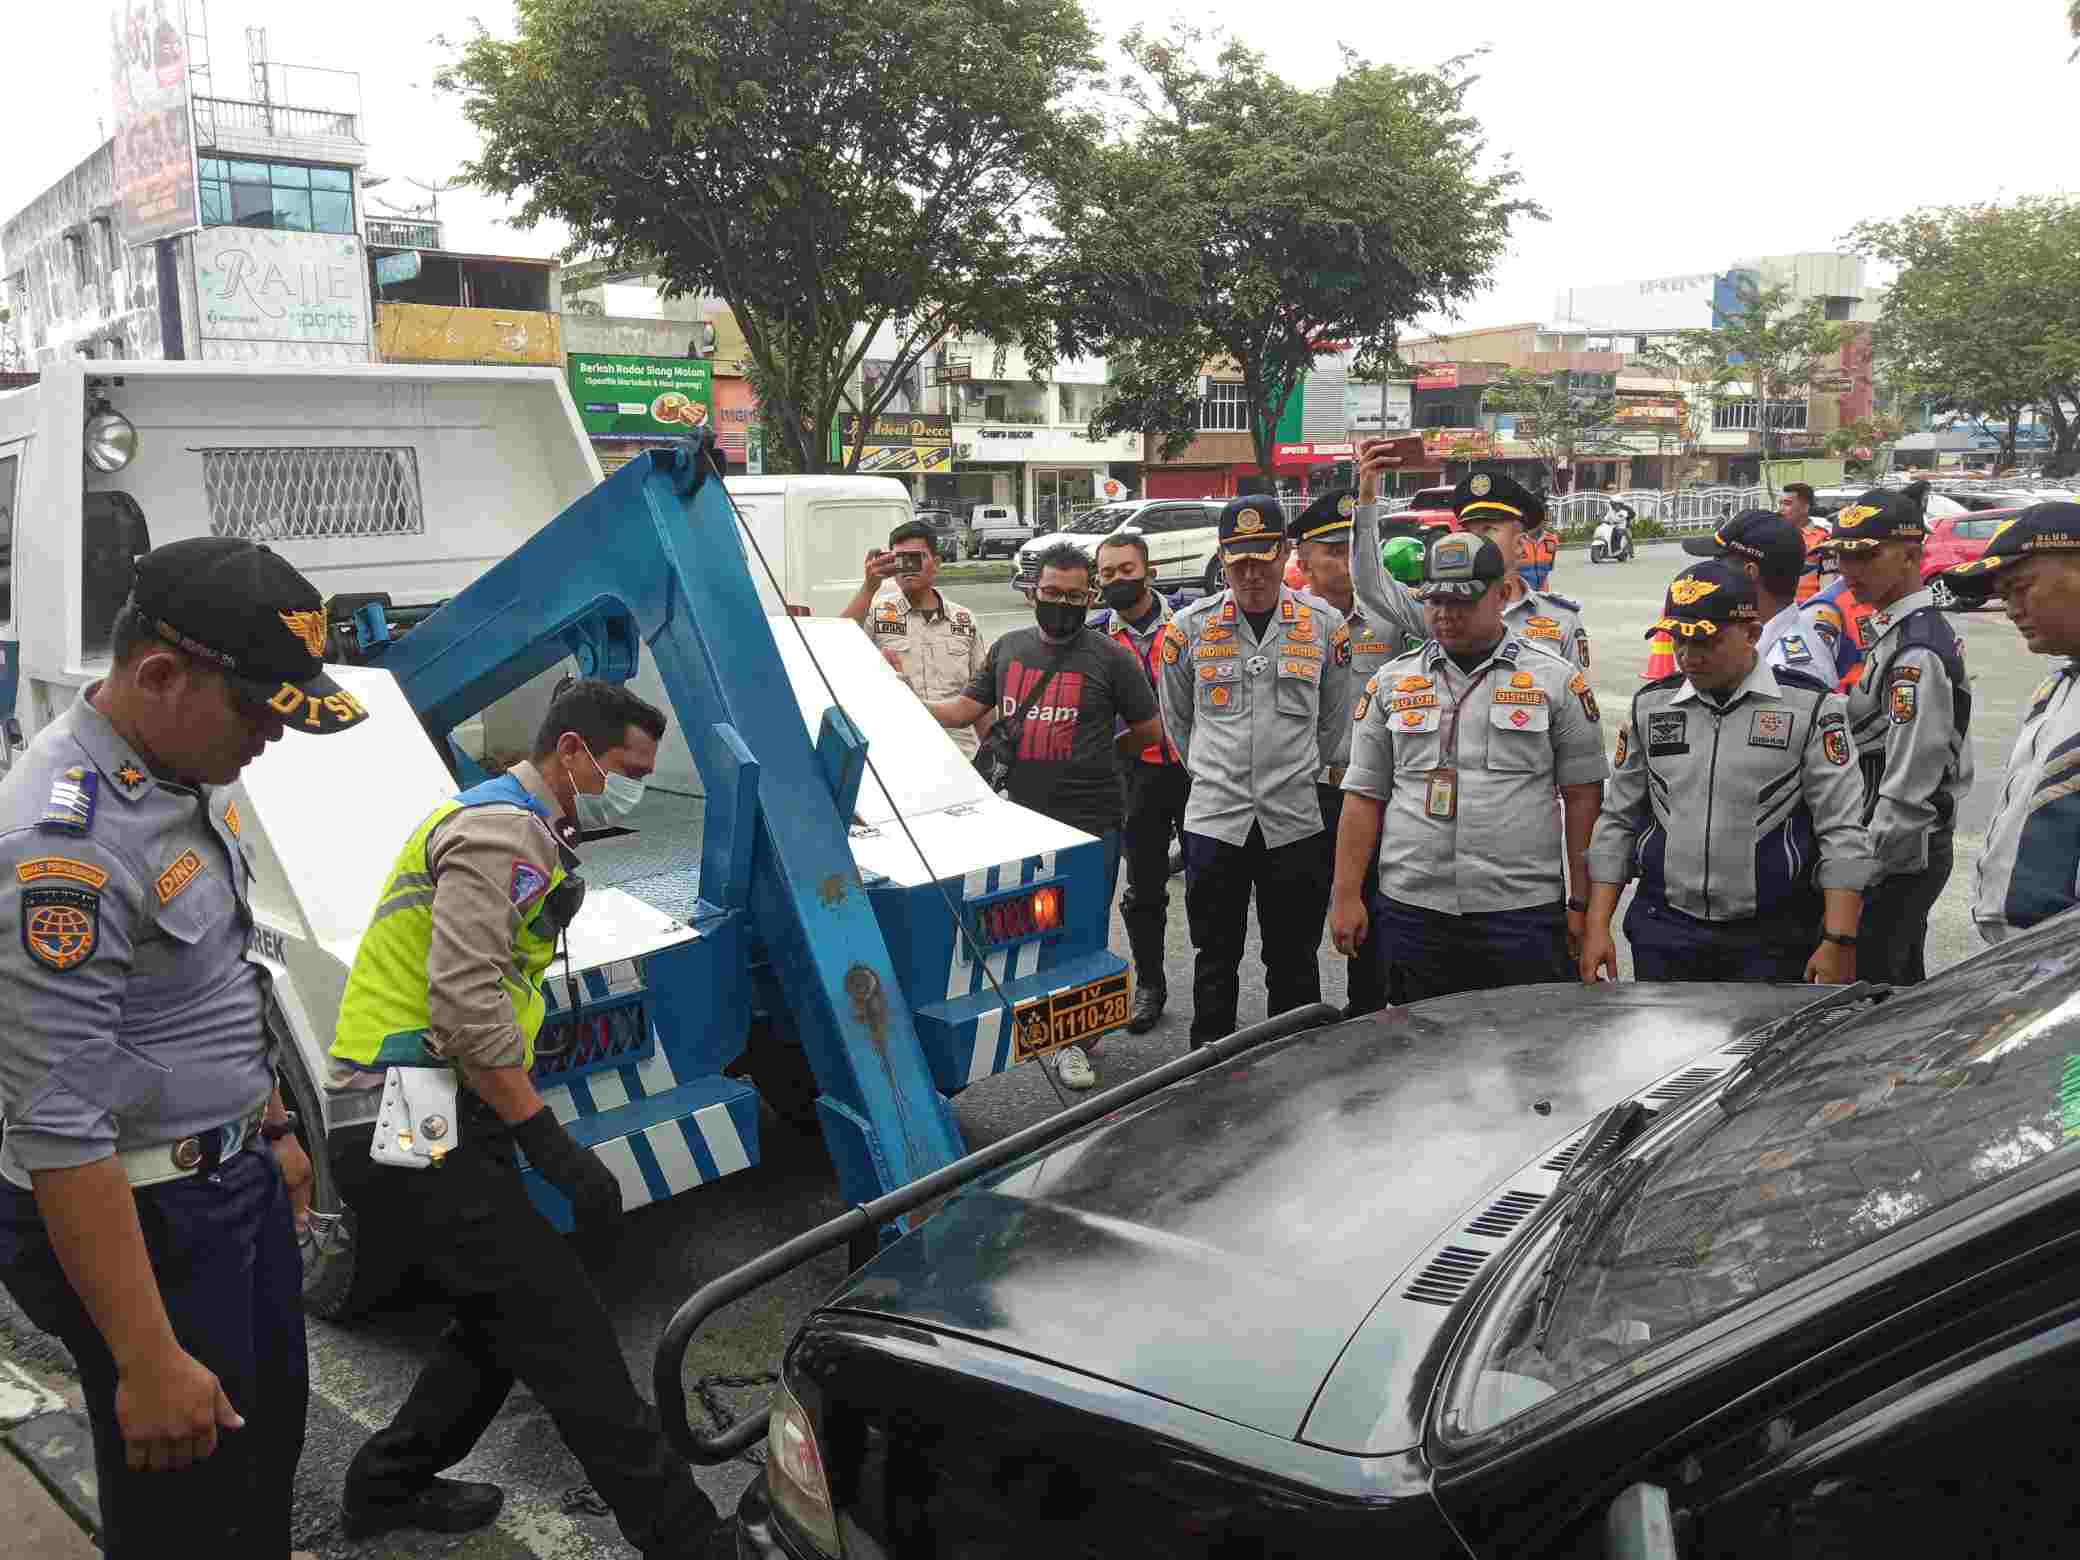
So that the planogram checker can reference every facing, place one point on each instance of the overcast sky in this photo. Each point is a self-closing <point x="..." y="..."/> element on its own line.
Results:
<point x="1662" y="138"/>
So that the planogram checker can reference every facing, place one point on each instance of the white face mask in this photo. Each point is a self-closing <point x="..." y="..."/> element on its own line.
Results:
<point x="605" y="808"/>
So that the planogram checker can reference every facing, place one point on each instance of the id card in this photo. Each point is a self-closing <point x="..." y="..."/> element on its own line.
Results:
<point x="1441" y="800"/>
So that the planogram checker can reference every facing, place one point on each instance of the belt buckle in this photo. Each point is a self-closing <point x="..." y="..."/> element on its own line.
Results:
<point x="187" y="1154"/>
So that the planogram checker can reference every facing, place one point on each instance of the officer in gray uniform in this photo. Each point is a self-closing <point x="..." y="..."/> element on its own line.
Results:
<point x="1253" y="691"/>
<point x="1910" y="715"/>
<point x="1771" y="551"/>
<point x="1730" y="888"/>
<point x="1321" y="537"/>
<point x="151" y="1185"/>
<point x="1456" y="751"/>
<point x="2030" y="868"/>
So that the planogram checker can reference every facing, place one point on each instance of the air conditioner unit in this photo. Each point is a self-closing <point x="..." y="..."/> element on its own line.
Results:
<point x="963" y="451"/>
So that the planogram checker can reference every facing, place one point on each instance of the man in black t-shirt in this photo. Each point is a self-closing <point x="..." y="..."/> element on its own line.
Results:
<point x="1069" y="704"/>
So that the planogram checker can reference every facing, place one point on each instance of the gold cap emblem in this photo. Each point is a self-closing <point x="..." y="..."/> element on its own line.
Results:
<point x="1346" y="506"/>
<point x="309" y="627"/>
<point x="1248" y="522"/>
<point x="1852" y="517"/>
<point x="1480" y="486"/>
<point x="1685" y="593"/>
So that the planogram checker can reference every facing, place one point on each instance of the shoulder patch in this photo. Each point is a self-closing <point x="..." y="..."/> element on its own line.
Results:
<point x="231" y="818"/>
<point x="529" y="882"/>
<point x="70" y="809"/>
<point x="61" y="926"/>
<point x="180" y="872"/>
<point x="1624" y="732"/>
<point x="1834" y="745"/>
<point x="41" y="869"/>
<point x="1794" y="649"/>
<point x="1903" y="702"/>
<point x="1907" y="673"/>
<point x="1364" y="705"/>
<point x="1340" y="646"/>
<point x="1173" y="636"/>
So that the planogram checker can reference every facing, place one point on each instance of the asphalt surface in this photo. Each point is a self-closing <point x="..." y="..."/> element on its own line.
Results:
<point x="361" y="1374"/>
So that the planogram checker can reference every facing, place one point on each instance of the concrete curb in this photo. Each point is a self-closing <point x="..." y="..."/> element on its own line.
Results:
<point x="58" y="1448"/>
<point x="50" y="1504"/>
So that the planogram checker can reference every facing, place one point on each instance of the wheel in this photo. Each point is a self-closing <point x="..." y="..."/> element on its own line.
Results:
<point x="342" y="1279"/>
<point x="1216" y="577"/>
<point x="1596" y="553"/>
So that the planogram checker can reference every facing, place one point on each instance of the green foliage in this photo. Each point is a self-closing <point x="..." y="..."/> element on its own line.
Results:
<point x="1983" y="318"/>
<point x="1770" y="347"/>
<point x="1241" y="219"/>
<point x="826" y="167"/>
<point x="1876" y="433"/>
<point x="1559" y="423"/>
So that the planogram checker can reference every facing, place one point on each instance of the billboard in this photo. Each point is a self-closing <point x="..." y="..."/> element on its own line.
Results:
<point x="268" y="287"/>
<point x="621" y="394"/>
<point x="1437" y="376"/>
<point x="154" y="131"/>
<point x="918" y="442"/>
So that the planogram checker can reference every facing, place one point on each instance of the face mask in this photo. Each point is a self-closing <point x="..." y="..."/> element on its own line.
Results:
<point x="1122" y="594"/>
<point x="606" y="808"/>
<point x="1057" y="619"/>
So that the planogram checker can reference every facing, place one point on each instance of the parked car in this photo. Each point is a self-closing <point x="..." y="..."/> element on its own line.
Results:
<point x="1517" y="1272"/>
<point x="947" y="532"/>
<point x="1956" y="539"/>
<point x="1829" y="500"/>
<point x="1182" y="534"/>
<point x="995" y="529"/>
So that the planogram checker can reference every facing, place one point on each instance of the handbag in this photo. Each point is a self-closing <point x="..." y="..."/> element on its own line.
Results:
<point x="416" y="1124"/>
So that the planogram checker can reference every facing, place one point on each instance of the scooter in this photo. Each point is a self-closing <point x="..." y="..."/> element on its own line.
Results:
<point x="1612" y="542"/>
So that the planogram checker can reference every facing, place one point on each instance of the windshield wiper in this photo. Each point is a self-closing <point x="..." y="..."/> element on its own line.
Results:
<point x="1768" y="1041"/>
<point x="1607" y="1134"/>
<point x="1584" y="1222"/>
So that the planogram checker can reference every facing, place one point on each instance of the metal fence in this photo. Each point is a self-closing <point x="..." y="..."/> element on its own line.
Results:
<point x="214" y="114"/>
<point x="1682" y="512"/>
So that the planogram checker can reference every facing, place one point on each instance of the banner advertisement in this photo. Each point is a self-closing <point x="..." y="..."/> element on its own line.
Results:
<point x="1437" y="376"/>
<point x="154" y="132"/>
<point x="894" y="445"/>
<point x="267" y="285"/>
<point x="641" y="395"/>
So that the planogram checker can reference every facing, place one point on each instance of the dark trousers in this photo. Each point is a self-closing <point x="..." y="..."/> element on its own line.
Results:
<point x="1435" y="954"/>
<point x="1366" y="972"/>
<point x="223" y="1248"/>
<point x="524" y="1310"/>
<point x="1892" y="936"/>
<point x="1155" y="797"/>
<point x="1668" y="945"/>
<point x="1291" y="883"/>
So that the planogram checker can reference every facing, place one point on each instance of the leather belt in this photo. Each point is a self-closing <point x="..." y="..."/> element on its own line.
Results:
<point x="193" y="1155"/>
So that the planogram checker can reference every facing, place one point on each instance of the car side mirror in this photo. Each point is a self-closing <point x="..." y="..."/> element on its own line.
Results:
<point x="1638" y="1526"/>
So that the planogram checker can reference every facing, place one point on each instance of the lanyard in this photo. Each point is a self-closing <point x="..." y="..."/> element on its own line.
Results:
<point x="1451" y="731"/>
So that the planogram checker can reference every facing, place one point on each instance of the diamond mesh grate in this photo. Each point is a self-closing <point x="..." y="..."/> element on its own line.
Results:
<point x="303" y="494"/>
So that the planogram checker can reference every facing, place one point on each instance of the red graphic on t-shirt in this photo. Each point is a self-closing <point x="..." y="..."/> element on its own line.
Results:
<point x="1050" y="728"/>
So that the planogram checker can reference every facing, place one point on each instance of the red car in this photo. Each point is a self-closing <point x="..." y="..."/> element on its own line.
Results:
<point x="1955" y="539"/>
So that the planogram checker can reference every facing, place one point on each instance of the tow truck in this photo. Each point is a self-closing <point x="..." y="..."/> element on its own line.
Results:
<point x="847" y="924"/>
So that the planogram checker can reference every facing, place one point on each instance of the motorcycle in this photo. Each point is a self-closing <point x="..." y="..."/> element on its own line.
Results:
<point x="1612" y="542"/>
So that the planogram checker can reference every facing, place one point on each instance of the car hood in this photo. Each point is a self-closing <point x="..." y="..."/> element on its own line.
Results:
<point x="1218" y="1242"/>
<point x="1087" y="540"/>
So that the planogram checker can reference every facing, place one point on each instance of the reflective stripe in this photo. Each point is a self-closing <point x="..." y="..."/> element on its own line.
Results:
<point x="402" y="902"/>
<point x="405" y="880"/>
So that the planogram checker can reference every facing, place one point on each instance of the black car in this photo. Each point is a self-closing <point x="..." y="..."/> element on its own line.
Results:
<point x="1708" y="1270"/>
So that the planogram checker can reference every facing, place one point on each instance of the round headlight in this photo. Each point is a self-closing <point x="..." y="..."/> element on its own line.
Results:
<point x="111" y="441"/>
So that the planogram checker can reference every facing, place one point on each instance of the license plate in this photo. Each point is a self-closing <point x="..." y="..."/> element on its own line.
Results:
<point x="1048" y="1023"/>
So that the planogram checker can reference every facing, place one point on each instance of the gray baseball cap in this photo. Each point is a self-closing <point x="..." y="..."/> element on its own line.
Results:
<point x="1461" y="567"/>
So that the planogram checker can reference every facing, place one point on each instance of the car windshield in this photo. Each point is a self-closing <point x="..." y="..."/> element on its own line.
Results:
<point x="1848" y="1128"/>
<point x="1098" y="520"/>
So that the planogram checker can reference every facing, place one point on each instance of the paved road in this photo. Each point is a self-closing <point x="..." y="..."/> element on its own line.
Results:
<point x="361" y="1374"/>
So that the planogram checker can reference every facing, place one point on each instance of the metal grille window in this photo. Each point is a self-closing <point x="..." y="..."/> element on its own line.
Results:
<point x="1225" y="409"/>
<point x="1740" y="416"/>
<point x="286" y="495"/>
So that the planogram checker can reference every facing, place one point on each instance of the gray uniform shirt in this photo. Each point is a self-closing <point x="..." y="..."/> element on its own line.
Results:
<point x="1904" y="714"/>
<point x="1551" y="622"/>
<point x="941" y="649"/>
<point x="2030" y="868"/>
<point x="1788" y="643"/>
<point x="1255" y="719"/>
<point x="132" y="1015"/>
<point x="1724" y="810"/>
<point x="1529" y="724"/>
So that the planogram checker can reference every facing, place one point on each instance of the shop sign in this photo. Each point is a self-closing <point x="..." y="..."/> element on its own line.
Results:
<point x="1458" y="443"/>
<point x="1437" y="376"/>
<point x="909" y="441"/>
<point x="269" y="285"/>
<point x="619" y="394"/>
<point x="154" y="143"/>
<point x="1292" y="454"/>
<point x="1649" y="411"/>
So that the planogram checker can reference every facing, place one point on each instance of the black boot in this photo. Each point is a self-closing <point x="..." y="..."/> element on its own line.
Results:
<point x="444" y="1506"/>
<point x="1148" y="1007"/>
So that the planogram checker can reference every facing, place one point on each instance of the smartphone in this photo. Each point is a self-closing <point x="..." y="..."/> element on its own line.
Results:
<point x="1406" y="450"/>
<point x="909" y="563"/>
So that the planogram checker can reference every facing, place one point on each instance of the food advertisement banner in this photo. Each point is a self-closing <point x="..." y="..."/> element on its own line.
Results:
<point x="154" y="136"/>
<point x="918" y="441"/>
<point x="641" y="395"/>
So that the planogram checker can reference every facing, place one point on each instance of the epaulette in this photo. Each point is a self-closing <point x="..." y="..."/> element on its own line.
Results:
<point x="1672" y="680"/>
<point x="1799" y="679"/>
<point x="1559" y="600"/>
<point x="70" y="807"/>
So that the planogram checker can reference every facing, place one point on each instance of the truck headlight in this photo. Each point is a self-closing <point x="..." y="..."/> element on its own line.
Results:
<point x="794" y="1474"/>
<point x="110" y="440"/>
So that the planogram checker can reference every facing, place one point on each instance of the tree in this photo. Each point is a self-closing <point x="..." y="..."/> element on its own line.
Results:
<point x="1560" y="422"/>
<point x="1766" y="346"/>
<point x="1983" y="318"/>
<point x="1694" y="369"/>
<point x="827" y="168"/>
<point x="1242" y="220"/>
<point x="1874" y="435"/>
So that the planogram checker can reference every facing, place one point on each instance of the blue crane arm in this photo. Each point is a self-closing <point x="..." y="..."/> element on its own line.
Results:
<point x="651" y="557"/>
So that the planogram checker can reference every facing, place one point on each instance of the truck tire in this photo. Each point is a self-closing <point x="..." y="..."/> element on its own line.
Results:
<point x="342" y="1278"/>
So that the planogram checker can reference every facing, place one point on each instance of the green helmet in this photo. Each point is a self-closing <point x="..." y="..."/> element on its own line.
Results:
<point x="1402" y="557"/>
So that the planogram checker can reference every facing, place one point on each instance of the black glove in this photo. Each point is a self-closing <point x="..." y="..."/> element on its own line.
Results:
<point x="577" y="1173"/>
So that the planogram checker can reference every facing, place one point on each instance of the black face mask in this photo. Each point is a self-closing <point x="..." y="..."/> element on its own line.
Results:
<point x="1122" y="594"/>
<point x="1057" y="619"/>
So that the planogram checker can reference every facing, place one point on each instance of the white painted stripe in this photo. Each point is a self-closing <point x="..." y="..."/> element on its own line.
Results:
<point x="1025" y="959"/>
<point x="618" y="1157"/>
<point x="656" y="1069"/>
<point x="1046" y="866"/>
<point x="719" y="1132"/>
<point x="608" y="1091"/>
<point x="559" y="1100"/>
<point x="983" y="1062"/>
<point x="674" y="1158"/>
<point x="994" y="963"/>
<point x="975" y="884"/>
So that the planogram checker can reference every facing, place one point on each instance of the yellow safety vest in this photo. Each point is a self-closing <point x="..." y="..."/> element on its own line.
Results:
<point x="384" y="1016"/>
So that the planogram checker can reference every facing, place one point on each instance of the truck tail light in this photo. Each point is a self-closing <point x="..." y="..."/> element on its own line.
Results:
<point x="1022" y="915"/>
<point x="794" y="1474"/>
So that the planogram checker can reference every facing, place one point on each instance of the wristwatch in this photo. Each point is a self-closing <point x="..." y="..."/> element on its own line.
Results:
<point x="275" y="1131"/>
<point x="1837" y="938"/>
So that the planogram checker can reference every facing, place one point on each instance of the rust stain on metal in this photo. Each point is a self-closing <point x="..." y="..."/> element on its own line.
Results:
<point x="869" y="1005"/>
<point x="832" y="889"/>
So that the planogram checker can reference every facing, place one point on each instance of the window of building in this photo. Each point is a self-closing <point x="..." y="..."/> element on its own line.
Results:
<point x="292" y="196"/>
<point x="1740" y="416"/>
<point x="1226" y="409"/>
<point x="1838" y="308"/>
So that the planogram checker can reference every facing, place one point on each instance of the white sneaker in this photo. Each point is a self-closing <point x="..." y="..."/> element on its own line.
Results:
<point x="1075" y="1070"/>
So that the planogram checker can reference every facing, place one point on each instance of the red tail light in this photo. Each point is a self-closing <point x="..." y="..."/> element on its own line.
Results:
<point x="1022" y="915"/>
<point x="795" y="611"/>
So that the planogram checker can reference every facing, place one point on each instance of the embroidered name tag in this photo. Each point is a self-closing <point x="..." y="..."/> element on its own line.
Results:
<point x="1520" y="696"/>
<point x="180" y="872"/>
<point x="1668" y="733"/>
<point x="1770" y="729"/>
